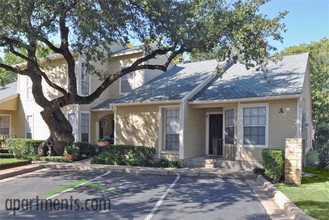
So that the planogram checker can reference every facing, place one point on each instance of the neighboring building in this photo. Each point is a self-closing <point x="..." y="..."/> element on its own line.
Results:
<point x="20" y="115"/>
<point x="188" y="111"/>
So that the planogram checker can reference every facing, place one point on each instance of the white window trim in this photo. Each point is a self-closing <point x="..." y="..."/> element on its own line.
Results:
<point x="80" y="81"/>
<point x="162" y="137"/>
<point x="234" y="122"/>
<point x="207" y="128"/>
<point x="120" y="79"/>
<point x="80" y="113"/>
<point x="240" y="125"/>
<point x="9" y="122"/>
<point x="32" y="125"/>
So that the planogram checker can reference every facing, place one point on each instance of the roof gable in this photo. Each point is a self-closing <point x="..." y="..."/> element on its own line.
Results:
<point x="284" y="77"/>
<point x="174" y="84"/>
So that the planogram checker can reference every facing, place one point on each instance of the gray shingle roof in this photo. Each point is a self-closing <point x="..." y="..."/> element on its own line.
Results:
<point x="105" y="104"/>
<point x="285" y="77"/>
<point x="8" y="90"/>
<point x="174" y="84"/>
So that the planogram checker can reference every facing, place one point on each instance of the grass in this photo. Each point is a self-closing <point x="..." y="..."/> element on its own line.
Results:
<point x="313" y="195"/>
<point x="52" y="158"/>
<point x="12" y="162"/>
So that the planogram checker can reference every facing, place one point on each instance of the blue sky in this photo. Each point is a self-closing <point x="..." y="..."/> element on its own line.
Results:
<point x="307" y="20"/>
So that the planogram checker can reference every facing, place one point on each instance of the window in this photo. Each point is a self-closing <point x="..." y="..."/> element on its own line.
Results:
<point x="4" y="125"/>
<point x="72" y="120"/>
<point x="29" y="124"/>
<point x="172" y="128"/>
<point x="229" y="126"/>
<point x="84" y="127"/>
<point x="29" y="94"/>
<point x="85" y="79"/>
<point x="254" y="123"/>
<point x="130" y="82"/>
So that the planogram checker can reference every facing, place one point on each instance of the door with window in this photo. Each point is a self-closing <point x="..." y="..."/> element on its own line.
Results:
<point x="215" y="134"/>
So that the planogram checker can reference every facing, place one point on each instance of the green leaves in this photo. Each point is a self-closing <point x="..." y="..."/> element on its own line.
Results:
<point x="319" y="68"/>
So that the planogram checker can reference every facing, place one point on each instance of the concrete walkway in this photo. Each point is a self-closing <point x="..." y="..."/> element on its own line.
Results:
<point x="276" y="204"/>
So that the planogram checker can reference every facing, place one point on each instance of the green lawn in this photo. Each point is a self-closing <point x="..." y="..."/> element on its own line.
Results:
<point x="12" y="162"/>
<point x="313" y="195"/>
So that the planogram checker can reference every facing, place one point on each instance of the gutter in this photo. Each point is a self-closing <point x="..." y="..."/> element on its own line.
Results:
<point x="246" y="99"/>
<point x="147" y="103"/>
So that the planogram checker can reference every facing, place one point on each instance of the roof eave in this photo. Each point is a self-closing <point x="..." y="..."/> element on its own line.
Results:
<point x="264" y="98"/>
<point x="148" y="103"/>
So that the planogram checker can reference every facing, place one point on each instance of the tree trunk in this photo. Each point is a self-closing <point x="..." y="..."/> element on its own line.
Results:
<point x="60" y="133"/>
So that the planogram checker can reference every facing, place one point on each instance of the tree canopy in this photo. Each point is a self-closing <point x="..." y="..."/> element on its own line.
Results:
<point x="236" y="29"/>
<point x="319" y="68"/>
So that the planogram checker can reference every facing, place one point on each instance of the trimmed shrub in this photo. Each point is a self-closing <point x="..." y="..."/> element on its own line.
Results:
<point x="23" y="147"/>
<point x="312" y="158"/>
<point x="258" y="171"/>
<point x="51" y="159"/>
<point x="273" y="164"/>
<point x="167" y="163"/>
<point x="125" y="155"/>
<point x="86" y="150"/>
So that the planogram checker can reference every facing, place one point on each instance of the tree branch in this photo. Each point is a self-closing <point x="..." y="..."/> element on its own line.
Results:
<point x="50" y="45"/>
<point x="137" y="65"/>
<point x="50" y="83"/>
<point x="13" y="69"/>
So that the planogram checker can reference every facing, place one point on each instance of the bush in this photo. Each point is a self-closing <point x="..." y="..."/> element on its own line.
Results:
<point x="86" y="150"/>
<point x="258" y="171"/>
<point x="51" y="159"/>
<point x="167" y="163"/>
<point x="323" y="155"/>
<point x="125" y="155"/>
<point x="312" y="158"/>
<point x="273" y="164"/>
<point x="23" y="147"/>
<point x="322" y="144"/>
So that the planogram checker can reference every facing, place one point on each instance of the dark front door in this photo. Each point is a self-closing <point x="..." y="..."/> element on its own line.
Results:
<point x="216" y="134"/>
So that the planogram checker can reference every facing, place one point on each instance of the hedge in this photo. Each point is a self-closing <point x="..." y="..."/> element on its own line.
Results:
<point x="26" y="147"/>
<point x="86" y="149"/>
<point x="273" y="161"/>
<point x="125" y="155"/>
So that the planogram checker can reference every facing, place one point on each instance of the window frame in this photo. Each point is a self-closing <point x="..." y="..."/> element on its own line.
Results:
<point x="120" y="80"/>
<point x="161" y="140"/>
<point x="165" y="129"/>
<point x="9" y="128"/>
<point x="27" y="126"/>
<point x="241" y="124"/>
<point x="233" y="126"/>
<point x="29" y="84"/>
<point x="80" y="123"/>
<point x="81" y="81"/>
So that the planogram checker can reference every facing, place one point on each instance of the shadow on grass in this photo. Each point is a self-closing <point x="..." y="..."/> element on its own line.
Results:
<point x="318" y="210"/>
<point x="320" y="175"/>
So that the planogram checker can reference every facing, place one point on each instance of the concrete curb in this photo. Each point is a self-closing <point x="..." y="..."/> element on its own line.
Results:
<point x="282" y="201"/>
<point x="237" y="174"/>
<point x="20" y="170"/>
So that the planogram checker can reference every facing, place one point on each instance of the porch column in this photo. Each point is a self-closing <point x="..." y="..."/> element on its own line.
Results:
<point x="97" y="130"/>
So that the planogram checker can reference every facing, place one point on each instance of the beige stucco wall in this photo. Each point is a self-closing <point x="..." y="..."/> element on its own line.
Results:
<point x="282" y="125"/>
<point x="137" y="125"/>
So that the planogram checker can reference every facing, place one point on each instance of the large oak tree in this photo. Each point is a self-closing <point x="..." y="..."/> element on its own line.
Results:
<point x="90" y="27"/>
